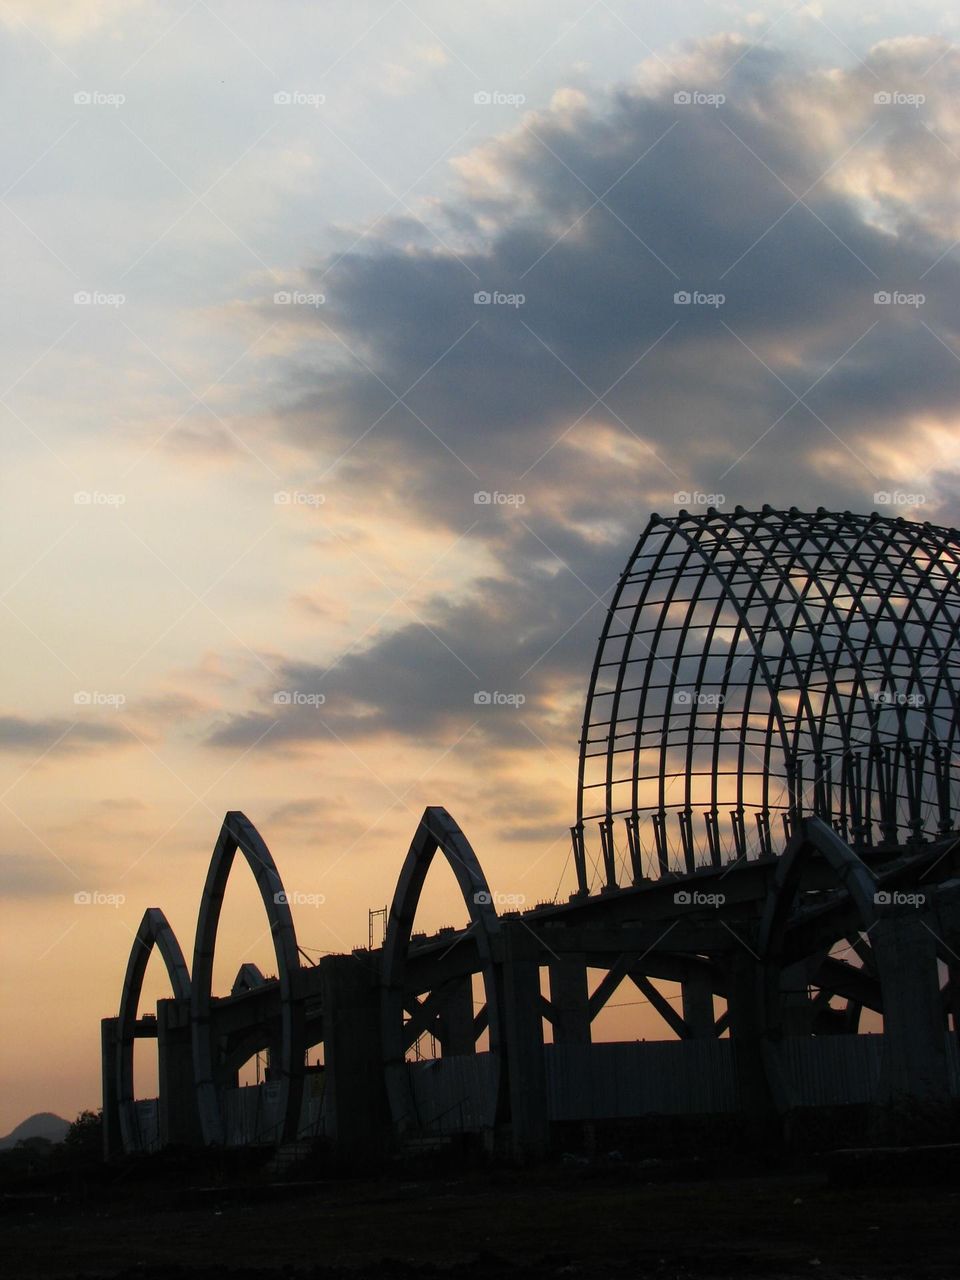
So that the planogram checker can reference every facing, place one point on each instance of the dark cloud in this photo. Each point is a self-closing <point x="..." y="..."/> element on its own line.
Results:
<point x="798" y="199"/>
<point x="463" y="665"/>
<point x="30" y="876"/>
<point x="711" y="206"/>
<point x="18" y="733"/>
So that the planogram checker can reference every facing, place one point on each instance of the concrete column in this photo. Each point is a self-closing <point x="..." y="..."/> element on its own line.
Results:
<point x="953" y="988"/>
<point x="797" y="1007"/>
<point x="112" y="1141"/>
<point x="179" y="1118"/>
<point x="746" y="1031"/>
<point x="570" y="997"/>
<point x="914" y="1050"/>
<point x="523" y="1033"/>
<point x="947" y="926"/>
<point x="355" y="1099"/>
<point x="697" y="998"/>
<point x="455" y="1019"/>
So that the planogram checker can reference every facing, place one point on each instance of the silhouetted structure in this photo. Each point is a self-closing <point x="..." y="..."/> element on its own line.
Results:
<point x="766" y="817"/>
<point x="755" y="667"/>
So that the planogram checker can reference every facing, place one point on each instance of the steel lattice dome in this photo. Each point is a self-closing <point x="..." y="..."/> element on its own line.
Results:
<point x="758" y="665"/>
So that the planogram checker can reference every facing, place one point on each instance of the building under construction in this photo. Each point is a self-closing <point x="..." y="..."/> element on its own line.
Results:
<point x="766" y="816"/>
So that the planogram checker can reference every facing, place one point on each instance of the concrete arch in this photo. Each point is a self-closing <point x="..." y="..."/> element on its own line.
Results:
<point x="236" y="833"/>
<point x="437" y="832"/>
<point x="811" y="836"/>
<point x="154" y="931"/>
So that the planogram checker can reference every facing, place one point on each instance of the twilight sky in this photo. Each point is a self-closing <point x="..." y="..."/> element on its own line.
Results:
<point x="287" y="286"/>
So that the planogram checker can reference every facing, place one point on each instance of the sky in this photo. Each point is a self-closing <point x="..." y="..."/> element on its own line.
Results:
<point x="347" y="349"/>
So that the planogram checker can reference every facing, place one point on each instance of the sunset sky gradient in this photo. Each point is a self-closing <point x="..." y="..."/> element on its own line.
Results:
<point x="279" y="497"/>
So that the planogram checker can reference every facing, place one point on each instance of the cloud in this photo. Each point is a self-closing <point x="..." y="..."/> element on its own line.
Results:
<point x="695" y="198"/>
<point x="67" y="20"/>
<point x="19" y="733"/>
<point x="679" y="294"/>
<point x="31" y="876"/>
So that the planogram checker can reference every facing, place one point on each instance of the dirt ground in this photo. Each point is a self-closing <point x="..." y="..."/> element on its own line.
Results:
<point x="558" y="1223"/>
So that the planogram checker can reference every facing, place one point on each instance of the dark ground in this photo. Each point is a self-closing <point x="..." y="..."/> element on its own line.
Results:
<point x="578" y="1222"/>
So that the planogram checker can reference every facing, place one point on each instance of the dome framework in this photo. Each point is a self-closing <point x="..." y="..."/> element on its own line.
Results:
<point x="756" y="667"/>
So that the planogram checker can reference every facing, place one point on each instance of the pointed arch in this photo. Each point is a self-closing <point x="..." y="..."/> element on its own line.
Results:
<point x="248" y="978"/>
<point x="437" y="832"/>
<point x="239" y="833"/>
<point x="154" y="931"/>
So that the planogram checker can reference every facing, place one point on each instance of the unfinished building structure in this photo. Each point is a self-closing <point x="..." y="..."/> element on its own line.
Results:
<point x="767" y="817"/>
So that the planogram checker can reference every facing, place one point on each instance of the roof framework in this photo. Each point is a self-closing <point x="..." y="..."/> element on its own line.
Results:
<point x="755" y="667"/>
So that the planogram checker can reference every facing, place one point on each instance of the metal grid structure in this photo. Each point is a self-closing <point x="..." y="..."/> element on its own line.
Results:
<point x="755" y="667"/>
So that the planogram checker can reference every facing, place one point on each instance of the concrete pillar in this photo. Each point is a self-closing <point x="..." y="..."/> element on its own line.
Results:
<point x="355" y="1099"/>
<point x="953" y="992"/>
<point x="112" y="1141"/>
<point x="697" y="998"/>
<point x="797" y="1007"/>
<point x="914" y="1050"/>
<point x="570" y="997"/>
<point x="523" y="1034"/>
<point x="746" y="1032"/>
<point x="179" y="1118"/>
<point x="947" y="926"/>
<point x="455" y="1019"/>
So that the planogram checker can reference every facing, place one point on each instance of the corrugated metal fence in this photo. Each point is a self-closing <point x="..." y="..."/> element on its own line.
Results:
<point x="455" y="1094"/>
<point x="669" y="1077"/>
<point x="588" y="1082"/>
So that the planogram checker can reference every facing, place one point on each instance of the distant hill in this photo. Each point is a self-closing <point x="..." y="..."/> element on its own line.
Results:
<point x="43" y="1125"/>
